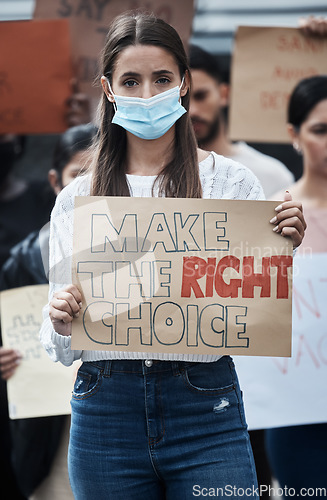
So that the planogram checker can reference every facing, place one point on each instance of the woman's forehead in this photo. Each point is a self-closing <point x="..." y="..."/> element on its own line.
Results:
<point x="145" y="58"/>
<point x="318" y="112"/>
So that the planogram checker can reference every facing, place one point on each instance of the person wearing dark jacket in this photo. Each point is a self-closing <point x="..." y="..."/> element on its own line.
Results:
<point x="24" y="266"/>
<point x="35" y="441"/>
<point x="25" y="206"/>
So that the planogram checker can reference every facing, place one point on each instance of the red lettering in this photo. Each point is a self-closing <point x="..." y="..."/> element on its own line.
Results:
<point x="288" y="74"/>
<point x="281" y="43"/>
<point x="277" y="72"/>
<point x="298" y="44"/>
<point x="273" y="100"/>
<point x="211" y="269"/>
<point x="303" y="342"/>
<point x="194" y="268"/>
<point x="222" y="288"/>
<point x="282" y="262"/>
<point x="282" y="365"/>
<point x="252" y="279"/>
<point x="299" y="298"/>
<point x="313" y="45"/>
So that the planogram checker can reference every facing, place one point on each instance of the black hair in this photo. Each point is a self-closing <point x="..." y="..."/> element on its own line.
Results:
<point x="72" y="141"/>
<point x="305" y="96"/>
<point x="204" y="61"/>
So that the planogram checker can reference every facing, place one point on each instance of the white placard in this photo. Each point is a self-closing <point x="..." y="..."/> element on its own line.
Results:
<point x="281" y="392"/>
<point x="39" y="387"/>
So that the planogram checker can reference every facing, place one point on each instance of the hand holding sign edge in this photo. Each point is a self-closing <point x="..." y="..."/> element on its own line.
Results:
<point x="289" y="220"/>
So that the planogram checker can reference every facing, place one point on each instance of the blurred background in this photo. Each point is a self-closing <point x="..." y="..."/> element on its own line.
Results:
<point x="214" y="26"/>
<point x="213" y="29"/>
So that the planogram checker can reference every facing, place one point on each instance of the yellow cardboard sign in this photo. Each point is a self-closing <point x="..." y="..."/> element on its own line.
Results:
<point x="181" y="276"/>
<point x="266" y="66"/>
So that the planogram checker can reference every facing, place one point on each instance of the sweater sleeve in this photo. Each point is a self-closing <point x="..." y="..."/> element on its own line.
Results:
<point x="231" y="180"/>
<point x="242" y="184"/>
<point x="60" y="258"/>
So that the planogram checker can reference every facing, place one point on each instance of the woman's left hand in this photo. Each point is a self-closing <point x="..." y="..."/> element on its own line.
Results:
<point x="9" y="361"/>
<point x="289" y="220"/>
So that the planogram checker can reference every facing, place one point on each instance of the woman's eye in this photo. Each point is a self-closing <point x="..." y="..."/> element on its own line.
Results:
<point x="320" y="130"/>
<point x="130" y="83"/>
<point x="163" y="80"/>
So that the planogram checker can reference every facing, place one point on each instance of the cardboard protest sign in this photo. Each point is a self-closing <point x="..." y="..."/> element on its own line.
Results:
<point x="267" y="64"/>
<point x="39" y="386"/>
<point x="92" y="18"/>
<point x="181" y="276"/>
<point x="35" y="76"/>
<point x="293" y="391"/>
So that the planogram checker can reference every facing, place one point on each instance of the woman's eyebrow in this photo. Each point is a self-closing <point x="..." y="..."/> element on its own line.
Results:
<point x="158" y="72"/>
<point x="129" y="73"/>
<point x="162" y="71"/>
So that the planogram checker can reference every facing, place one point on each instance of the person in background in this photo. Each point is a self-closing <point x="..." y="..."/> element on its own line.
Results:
<point x="297" y="454"/>
<point x="24" y="206"/>
<point x="209" y="101"/>
<point x="78" y="106"/>
<point x="39" y="445"/>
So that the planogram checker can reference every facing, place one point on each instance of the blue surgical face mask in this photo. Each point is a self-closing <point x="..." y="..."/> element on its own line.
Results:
<point x="148" y="118"/>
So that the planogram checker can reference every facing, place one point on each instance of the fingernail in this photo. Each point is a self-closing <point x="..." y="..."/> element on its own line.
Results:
<point x="80" y="305"/>
<point x="276" y="228"/>
<point x="18" y="361"/>
<point x="279" y="208"/>
<point x="76" y="315"/>
<point x="273" y="220"/>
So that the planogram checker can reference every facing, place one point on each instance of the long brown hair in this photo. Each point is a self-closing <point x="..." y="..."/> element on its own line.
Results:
<point x="180" y="177"/>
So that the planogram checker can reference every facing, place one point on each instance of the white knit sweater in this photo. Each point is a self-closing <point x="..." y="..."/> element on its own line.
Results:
<point x="220" y="178"/>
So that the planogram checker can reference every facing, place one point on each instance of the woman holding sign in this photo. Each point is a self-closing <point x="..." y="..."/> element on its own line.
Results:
<point x="150" y="425"/>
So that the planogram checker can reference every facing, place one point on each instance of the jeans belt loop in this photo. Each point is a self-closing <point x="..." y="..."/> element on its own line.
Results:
<point x="107" y="368"/>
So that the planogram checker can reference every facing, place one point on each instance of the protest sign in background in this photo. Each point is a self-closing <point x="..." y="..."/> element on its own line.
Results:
<point x="89" y="21"/>
<point x="39" y="387"/>
<point x="267" y="64"/>
<point x="181" y="276"/>
<point x="35" y="76"/>
<point x="293" y="391"/>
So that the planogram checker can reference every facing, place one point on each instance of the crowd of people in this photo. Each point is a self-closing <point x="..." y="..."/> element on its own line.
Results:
<point x="136" y="429"/>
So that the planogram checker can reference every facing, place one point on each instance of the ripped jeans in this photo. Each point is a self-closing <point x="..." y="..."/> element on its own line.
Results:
<point x="158" y="430"/>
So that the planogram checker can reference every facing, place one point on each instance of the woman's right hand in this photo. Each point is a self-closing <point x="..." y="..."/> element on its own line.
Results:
<point x="64" y="307"/>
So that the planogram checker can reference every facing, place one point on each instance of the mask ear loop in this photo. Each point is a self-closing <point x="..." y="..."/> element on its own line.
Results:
<point x="114" y="103"/>
<point x="181" y="85"/>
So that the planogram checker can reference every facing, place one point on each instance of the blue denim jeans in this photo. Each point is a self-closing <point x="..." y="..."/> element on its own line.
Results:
<point x="159" y="430"/>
